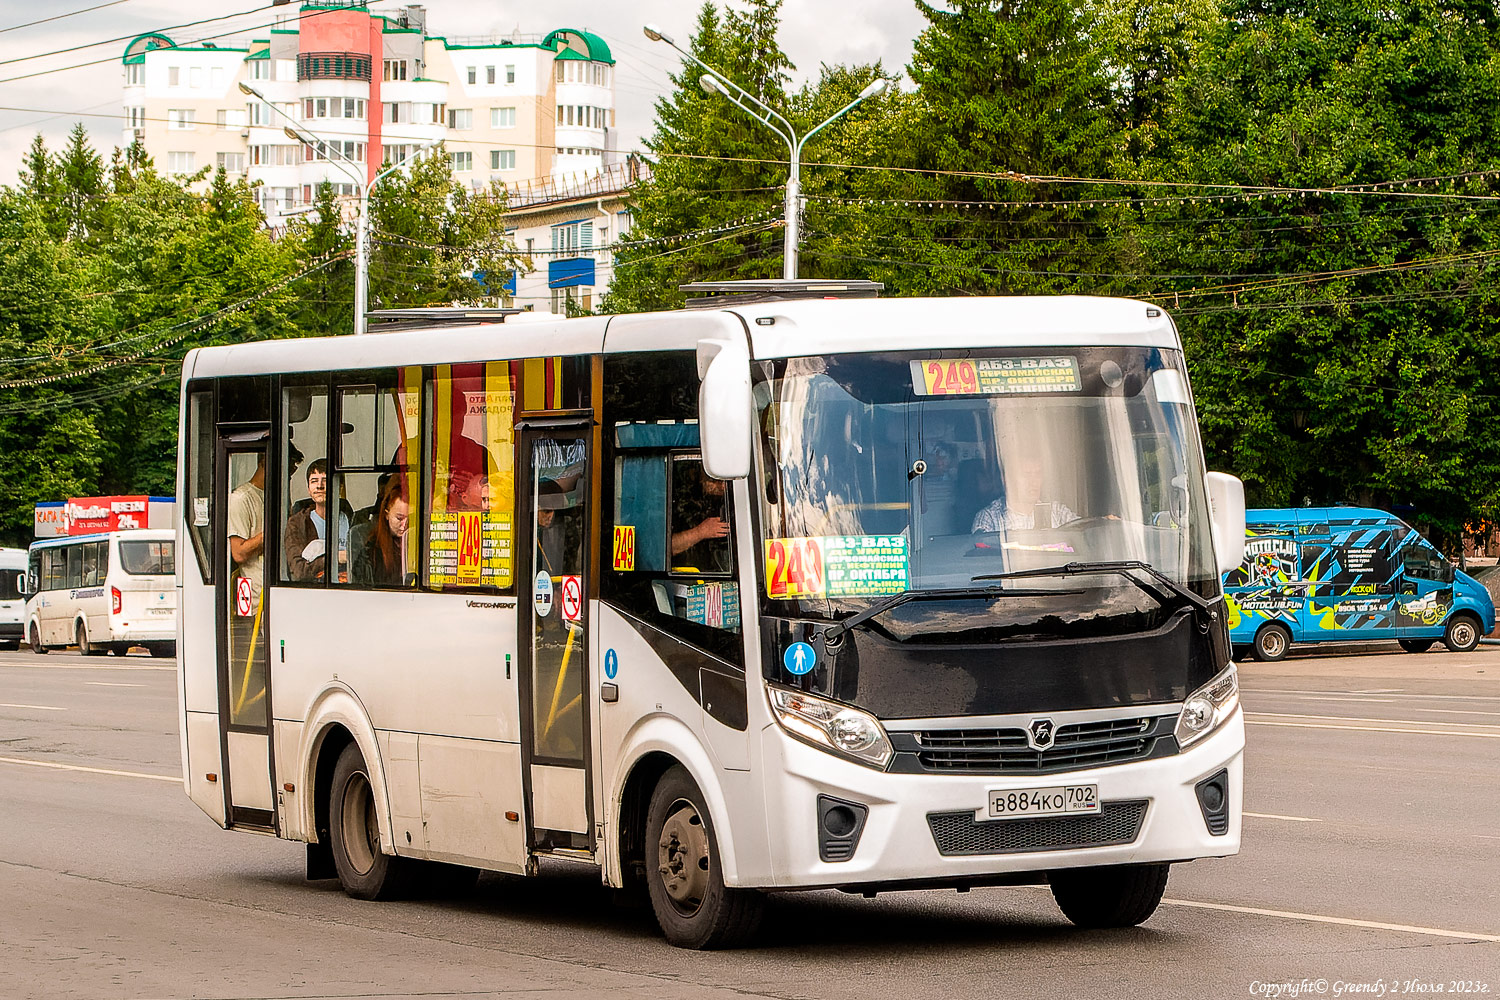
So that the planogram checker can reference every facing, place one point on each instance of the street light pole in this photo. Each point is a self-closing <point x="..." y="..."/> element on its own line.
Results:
<point x="714" y="82"/>
<point x="362" y="216"/>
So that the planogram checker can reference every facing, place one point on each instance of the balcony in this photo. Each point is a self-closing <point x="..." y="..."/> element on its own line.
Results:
<point x="333" y="66"/>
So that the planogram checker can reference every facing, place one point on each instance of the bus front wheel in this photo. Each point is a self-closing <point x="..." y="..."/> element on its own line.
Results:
<point x="1462" y="634"/>
<point x="693" y="906"/>
<point x="1118" y="896"/>
<point x="36" y="641"/>
<point x="354" y="833"/>
<point x="1271" y="643"/>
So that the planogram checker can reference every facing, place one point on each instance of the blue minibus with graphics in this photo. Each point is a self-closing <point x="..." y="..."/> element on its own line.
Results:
<point x="1329" y="574"/>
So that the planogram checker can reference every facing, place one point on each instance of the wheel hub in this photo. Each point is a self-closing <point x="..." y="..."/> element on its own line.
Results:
<point x="682" y="857"/>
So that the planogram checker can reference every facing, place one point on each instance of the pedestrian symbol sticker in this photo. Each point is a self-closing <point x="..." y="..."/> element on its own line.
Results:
<point x="542" y="594"/>
<point x="800" y="658"/>
<point x="572" y="598"/>
<point x="244" y="600"/>
<point x="611" y="664"/>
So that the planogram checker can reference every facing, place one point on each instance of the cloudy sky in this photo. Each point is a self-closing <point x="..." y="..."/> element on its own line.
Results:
<point x="812" y="32"/>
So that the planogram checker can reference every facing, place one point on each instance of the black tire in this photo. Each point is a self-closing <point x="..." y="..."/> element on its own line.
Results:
<point x="36" y="641"/>
<point x="86" y="648"/>
<point x="1272" y="642"/>
<point x="1416" y="645"/>
<point x="354" y="834"/>
<point x="1119" y="896"/>
<point x="10" y="645"/>
<point x="162" y="649"/>
<point x="693" y="906"/>
<point x="1240" y="652"/>
<point x="1462" y="634"/>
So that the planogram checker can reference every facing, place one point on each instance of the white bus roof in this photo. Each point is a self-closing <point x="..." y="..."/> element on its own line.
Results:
<point x="790" y="328"/>
<point x="127" y="534"/>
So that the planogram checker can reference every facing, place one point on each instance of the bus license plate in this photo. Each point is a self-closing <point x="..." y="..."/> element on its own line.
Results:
<point x="1064" y="799"/>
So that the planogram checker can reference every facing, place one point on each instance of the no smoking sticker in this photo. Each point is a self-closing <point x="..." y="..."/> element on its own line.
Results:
<point x="572" y="598"/>
<point x="244" y="600"/>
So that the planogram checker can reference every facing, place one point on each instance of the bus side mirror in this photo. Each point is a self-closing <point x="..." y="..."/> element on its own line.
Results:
<point x="725" y="409"/>
<point x="1226" y="504"/>
<point x="21" y="584"/>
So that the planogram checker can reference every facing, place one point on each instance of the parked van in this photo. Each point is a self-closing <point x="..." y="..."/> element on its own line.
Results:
<point x="105" y="592"/>
<point x="12" y="597"/>
<point x="1328" y="574"/>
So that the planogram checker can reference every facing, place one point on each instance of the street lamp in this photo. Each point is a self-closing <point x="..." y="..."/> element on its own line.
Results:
<point x="714" y="82"/>
<point x="362" y="218"/>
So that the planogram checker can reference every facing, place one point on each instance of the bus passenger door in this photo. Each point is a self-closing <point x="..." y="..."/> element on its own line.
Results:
<point x="240" y="595"/>
<point x="554" y="487"/>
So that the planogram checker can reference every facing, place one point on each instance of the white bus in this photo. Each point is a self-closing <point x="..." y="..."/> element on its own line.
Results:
<point x="104" y="593"/>
<point x="866" y="594"/>
<point x="12" y="597"/>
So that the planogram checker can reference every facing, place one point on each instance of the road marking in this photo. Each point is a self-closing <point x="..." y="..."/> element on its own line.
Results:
<point x="1404" y="697"/>
<point x="83" y="666"/>
<point x="1349" y="698"/>
<point x="1374" y="729"/>
<point x="1318" y="918"/>
<point x="1289" y="819"/>
<point x="39" y="708"/>
<point x="1355" y="718"/>
<point x="90" y="770"/>
<point x="113" y="684"/>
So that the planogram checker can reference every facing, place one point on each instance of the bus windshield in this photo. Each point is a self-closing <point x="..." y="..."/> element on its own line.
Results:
<point x="888" y="473"/>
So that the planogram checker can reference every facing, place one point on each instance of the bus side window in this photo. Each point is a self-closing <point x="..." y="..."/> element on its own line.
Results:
<point x="304" y="466"/>
<point x="74" y="579"/>
<point x="379" y="473"/>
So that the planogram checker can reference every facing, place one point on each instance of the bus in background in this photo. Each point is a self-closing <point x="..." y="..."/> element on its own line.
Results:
<point x="1338" y="574"/>
<point x="12" y="597"/>
<point x="104" y="593"/>
<point x="763" y="596"/>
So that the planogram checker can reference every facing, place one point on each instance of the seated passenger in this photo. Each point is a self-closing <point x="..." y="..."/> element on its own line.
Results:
<point x="700" y="522"/>
<point x="379" y="559"/>
<point x="307" y="532"/>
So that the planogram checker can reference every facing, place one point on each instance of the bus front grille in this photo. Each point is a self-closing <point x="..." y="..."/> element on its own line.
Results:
<point x="1076" y="746"/>
<point x="959" y="834"/>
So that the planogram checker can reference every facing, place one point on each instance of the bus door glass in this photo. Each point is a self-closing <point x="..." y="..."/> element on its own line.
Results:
<point x="1424" y="587"/>
<point x="244" y="677"/>
<point x="1350" y="569"/>
<point x="554" y="646"/>
<point x="1265" y="587"/>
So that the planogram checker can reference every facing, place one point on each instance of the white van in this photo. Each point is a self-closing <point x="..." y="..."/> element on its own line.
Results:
<point x="104" y="593"/>
<point x="12" y="597"/>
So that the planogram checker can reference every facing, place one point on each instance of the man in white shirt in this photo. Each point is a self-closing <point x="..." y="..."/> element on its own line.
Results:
<point x="246" y="519"/>
<point x="1023" y="481"/>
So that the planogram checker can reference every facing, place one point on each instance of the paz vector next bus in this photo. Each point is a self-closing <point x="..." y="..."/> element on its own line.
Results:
<point x="764" y="596"/>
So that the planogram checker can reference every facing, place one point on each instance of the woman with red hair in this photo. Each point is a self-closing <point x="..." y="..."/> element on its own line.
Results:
<point x="380" y="561"/>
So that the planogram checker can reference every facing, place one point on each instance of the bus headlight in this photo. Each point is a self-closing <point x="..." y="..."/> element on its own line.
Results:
<point x="844" y="730"/>
<point x="1207" y="708"/>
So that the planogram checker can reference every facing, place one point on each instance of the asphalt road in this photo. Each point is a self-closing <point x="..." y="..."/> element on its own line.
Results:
<point x="1370" y="857"/>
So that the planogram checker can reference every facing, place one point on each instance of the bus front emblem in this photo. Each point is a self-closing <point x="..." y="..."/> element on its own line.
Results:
<point x="1039" y="734"/>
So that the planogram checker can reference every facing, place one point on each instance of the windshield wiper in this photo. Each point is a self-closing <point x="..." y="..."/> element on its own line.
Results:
<point x="843" y="625"/>
<point x="1127" y="568"/>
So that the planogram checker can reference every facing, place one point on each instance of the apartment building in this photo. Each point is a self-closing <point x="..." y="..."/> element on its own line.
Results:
<point x="367" y="89"/>
<point x="569" y="230"/>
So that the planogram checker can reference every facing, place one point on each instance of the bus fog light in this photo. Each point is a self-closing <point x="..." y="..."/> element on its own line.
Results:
<point x="1209" y="707"/>
<point x="844" y="730"/>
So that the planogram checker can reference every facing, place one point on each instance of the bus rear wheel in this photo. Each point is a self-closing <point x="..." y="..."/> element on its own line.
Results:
<point x="85" y="647"/>
<point x="1416" y="645"/>
<point x="1272" y="642"/>
<point x="36" y="641"/>
<point x="693" y="906"/>
<point x="354" y="833"/>
<point x="1462" y="634"/>
<point x="1118" y="896"/>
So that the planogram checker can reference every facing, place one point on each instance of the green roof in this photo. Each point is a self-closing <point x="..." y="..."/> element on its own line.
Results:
<point x="598" y="49"/>
<point x="134" y="55"/>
